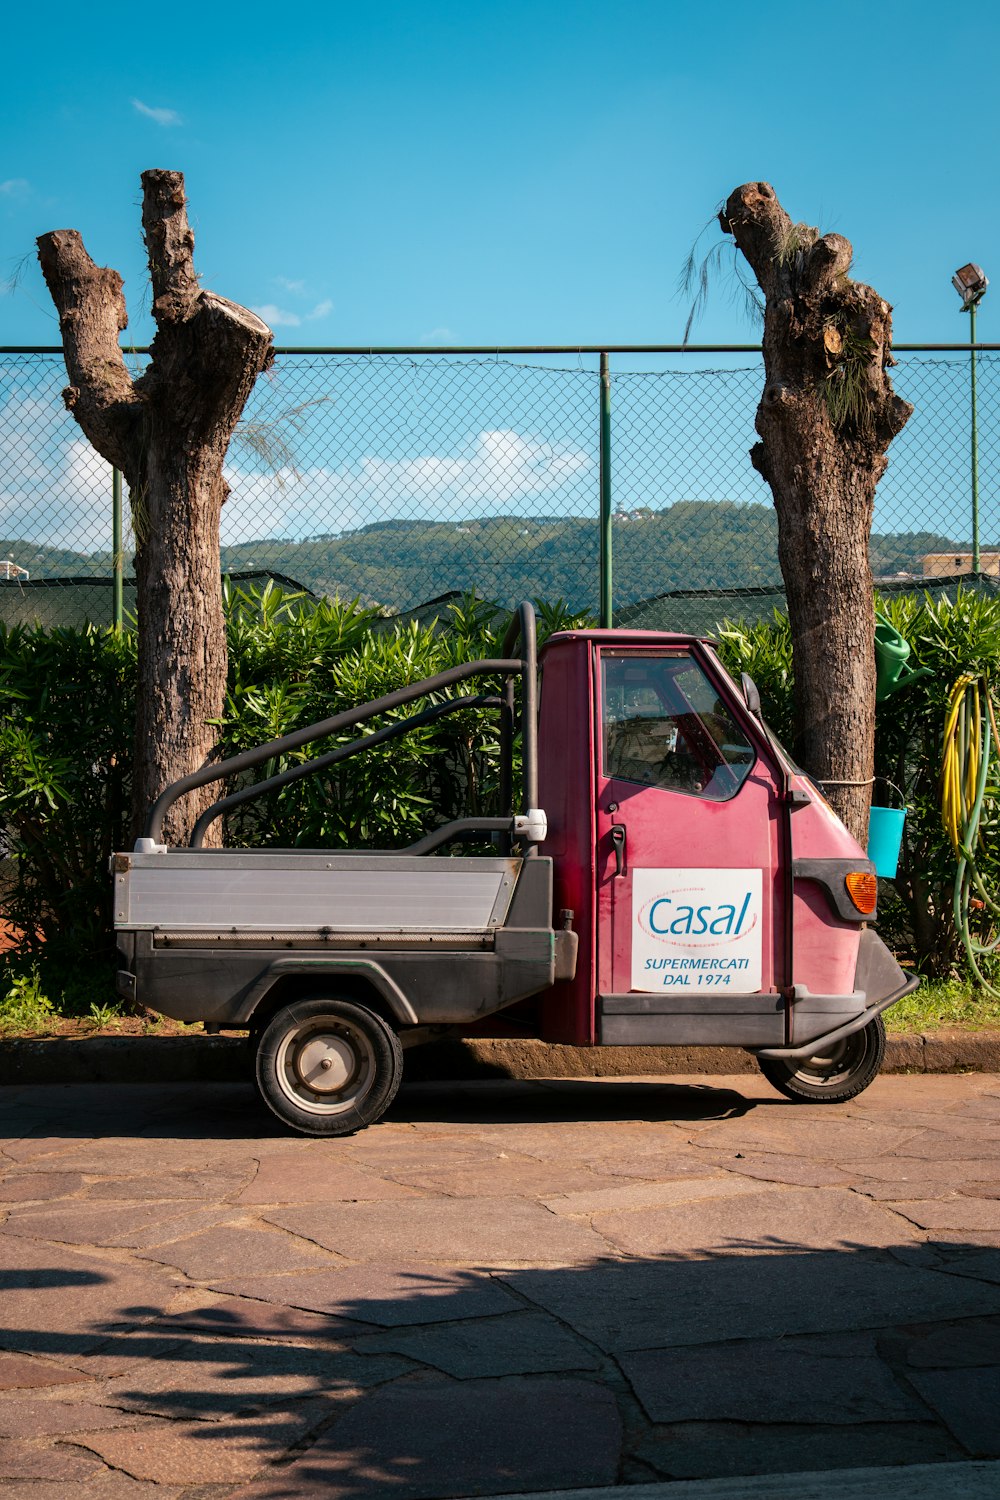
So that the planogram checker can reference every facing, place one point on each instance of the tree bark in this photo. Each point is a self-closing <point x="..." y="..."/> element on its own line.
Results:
<point x="826" y="418"/>
<point x="168" y="432"/>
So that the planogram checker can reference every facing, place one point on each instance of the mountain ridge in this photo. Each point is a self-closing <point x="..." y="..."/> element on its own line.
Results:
<point x="692" y="544"/>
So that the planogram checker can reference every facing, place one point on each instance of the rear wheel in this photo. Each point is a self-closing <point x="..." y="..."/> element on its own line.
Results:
<point x="834" y="1073"/>
<point x="328" y="1067"/>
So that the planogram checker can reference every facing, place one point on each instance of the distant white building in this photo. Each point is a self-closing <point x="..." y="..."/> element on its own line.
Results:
<point x="10" y="571"/>
<point x="641" y="513"/>
<point x="941" y="564"/>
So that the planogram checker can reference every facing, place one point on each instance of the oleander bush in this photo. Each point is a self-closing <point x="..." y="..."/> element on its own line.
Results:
<point x="950" y="635"/>
<point x="66" y="713"/>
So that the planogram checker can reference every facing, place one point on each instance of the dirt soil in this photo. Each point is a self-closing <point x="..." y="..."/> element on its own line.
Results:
<point x="81" y="1026"/>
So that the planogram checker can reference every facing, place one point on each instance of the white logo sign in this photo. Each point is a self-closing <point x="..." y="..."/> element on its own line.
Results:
<point x="697" y="930"/>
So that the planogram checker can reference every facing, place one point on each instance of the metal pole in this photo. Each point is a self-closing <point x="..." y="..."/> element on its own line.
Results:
<point x="605" y="483"/>
<point x="116" y="546"/>
<point x="975" y="442"/>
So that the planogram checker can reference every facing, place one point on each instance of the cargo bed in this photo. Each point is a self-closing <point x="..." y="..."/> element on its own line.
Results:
<point x="215" y="935"/>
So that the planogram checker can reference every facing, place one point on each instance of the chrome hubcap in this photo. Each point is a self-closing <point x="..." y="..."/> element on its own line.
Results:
<point x="325" y="1063"/>
<point x="325" y="1066"/>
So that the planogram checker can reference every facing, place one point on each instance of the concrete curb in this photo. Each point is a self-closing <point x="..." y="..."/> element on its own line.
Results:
<point x="205" y="1059"/>
<point x="971" y="1480"/>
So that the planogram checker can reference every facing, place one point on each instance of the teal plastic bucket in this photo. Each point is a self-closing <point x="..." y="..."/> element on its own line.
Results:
<point x="885" y="838"/>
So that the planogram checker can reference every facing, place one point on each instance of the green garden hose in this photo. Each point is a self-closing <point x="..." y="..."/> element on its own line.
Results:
<point x="970" y="740"/>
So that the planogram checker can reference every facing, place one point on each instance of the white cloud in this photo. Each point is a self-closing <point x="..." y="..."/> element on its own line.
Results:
<point x="296" y="288"/>
<point x="161" y="116"/>
<point x="79" y="519"/>
<point x="502" y="465"/>
<point x="290" y="504"/>
<point x="439" y="336"/>
<point x="55" y="490"/>
<point x="500" y="469"/>
<point x="14" y="187"/>
<point x="283" y="317"/>
<point x="276" y="317"/>
<point x="257" y="507"/>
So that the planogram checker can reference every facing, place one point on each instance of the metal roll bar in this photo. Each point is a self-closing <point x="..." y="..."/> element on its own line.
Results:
<point x="343" y="752"/>
<point x="522" y="628"/>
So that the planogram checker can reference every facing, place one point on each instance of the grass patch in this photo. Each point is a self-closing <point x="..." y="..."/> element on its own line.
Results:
<point x="942" y="1003"/>
<point x="24" y="1006"/>
<point x="38" y="996"/>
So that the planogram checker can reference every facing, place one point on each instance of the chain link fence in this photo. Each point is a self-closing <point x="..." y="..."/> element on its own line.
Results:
<point x="399" y="478"/>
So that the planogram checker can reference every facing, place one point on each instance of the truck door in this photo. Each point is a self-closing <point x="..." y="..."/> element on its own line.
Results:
<point x="689" y="899"/>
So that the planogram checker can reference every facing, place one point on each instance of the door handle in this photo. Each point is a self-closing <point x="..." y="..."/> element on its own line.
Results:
<point x="618" y="842"/>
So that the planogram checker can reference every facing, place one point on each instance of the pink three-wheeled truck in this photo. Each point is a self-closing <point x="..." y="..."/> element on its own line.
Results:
<point x="673" y="879"/>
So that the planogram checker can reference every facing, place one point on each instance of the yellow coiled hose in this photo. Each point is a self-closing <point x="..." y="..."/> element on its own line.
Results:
<point x="970" y="737"/>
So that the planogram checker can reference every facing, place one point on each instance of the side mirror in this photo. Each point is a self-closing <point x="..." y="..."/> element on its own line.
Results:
<point x="750" y="694"/>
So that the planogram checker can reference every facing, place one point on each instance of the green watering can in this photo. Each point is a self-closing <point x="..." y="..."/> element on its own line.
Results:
<point x="891" y="656"/>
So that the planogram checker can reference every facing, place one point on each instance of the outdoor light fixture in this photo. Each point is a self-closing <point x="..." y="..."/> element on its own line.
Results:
<point x="970" y="282"/>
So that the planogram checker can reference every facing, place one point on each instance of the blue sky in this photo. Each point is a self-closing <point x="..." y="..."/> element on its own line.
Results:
<point x="437" y="172"/>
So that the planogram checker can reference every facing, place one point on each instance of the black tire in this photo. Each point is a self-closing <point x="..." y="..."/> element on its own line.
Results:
<point x="834" y="1074"/>
<point x="328" y="1067"/>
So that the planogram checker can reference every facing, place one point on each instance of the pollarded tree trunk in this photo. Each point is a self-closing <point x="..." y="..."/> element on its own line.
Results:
<point x="168" y="431"/>
<point x="826" y="418"/>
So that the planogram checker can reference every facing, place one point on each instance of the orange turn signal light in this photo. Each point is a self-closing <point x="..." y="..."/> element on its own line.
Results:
<point x="862" y="887"/>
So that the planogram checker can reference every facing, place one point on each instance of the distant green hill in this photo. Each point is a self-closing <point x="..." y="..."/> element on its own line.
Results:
<point x="55" y="562"/>
<point x="693" y="544"/>
<point x="689" y="545"/>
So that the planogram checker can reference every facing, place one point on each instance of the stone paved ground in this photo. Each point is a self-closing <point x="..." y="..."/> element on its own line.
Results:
<point x="505" y="1287"/>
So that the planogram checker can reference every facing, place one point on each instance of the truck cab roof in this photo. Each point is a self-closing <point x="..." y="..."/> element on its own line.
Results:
<point x="628" y="638"/>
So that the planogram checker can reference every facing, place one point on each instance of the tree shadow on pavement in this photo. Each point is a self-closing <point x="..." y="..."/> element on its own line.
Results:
<point x="763" y="1356"/>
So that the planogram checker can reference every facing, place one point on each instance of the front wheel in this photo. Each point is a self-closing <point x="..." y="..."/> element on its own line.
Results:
<point x="328" y="1067"/>
<point x="833" y="1074"/>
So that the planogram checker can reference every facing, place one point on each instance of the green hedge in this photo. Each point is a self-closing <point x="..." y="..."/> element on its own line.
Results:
<point x="67" y="705"/>
<point x="950" y="635"/>
<point x="66" y="711"/>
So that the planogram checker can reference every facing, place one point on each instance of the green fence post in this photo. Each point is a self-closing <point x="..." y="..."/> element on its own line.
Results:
<point x="975" y="441"/>
<point x="116" y="546"/>
<point x="605" y="482"/>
